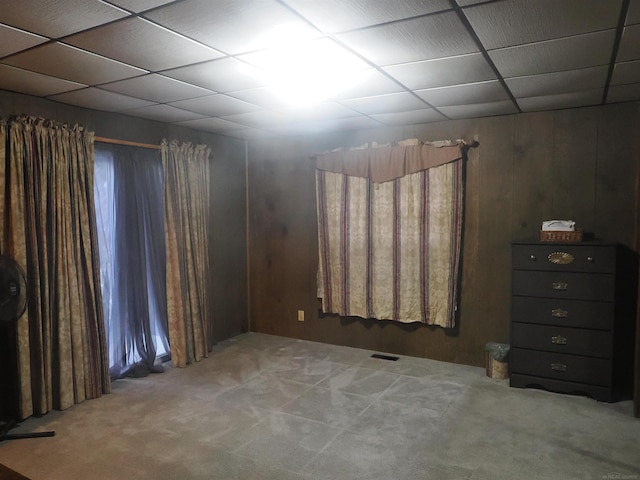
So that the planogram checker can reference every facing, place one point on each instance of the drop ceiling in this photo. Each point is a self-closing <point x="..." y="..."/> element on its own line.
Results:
<point x="182" y="61"/>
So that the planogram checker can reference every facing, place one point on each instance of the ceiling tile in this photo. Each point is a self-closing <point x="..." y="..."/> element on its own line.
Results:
<point x="410" y="117"/>
<point x="630" y="44"/>
<point x="373" y="83"/>
<point x="443" y="72"/>
<point x="633" y="15"/>
<point x="157" y="88"/>
<point x="423" y="38"/>
<point x="564" y="100"/>
<point x="224" y="75"/>
<point x="505" y="107"/>
<point x="140" y="43"/>
<point x="395" y="102"/>
<point x="30" y="83"/>
<point x="627" y="72"/>
<point x="264" y="97"/>
<point x="70" y="63"/>
<point x="232" y="26"/>
<point x="624" y="93"/>
<point x="13" y="40"/>
<point x="321" y="111"/>
<point x="481" y="92"/>
<point x="57" y="18"/>
<point x="164" y="113"/>
<point x="334" y="16"/>
<point x="99" y="99"/>
<point x="515" y="22"/>
<point x="569" y="53"/>
<point x="216" y="105"/>
<point x="258" y="119"/>
<point x="558" y="82"/>
<point x="210" y="124"/>
<point x="140" y="5"/>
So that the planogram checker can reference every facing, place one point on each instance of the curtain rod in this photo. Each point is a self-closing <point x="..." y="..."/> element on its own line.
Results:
<point x="126" y="142"/>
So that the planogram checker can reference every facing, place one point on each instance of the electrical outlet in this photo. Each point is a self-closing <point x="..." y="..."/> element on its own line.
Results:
<point x="301" y="315"/>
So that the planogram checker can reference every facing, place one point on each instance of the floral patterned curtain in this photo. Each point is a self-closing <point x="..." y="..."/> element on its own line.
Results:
<point x="48" y="227"/>
<point x="186" y="176"/>
<point x="390" y="248"/>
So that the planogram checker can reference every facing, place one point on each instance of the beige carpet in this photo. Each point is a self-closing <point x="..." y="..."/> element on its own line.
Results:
<point x="265" y="407"/>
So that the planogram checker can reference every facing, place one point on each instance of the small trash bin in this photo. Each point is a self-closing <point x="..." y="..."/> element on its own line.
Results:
<point x="496" y="360"/>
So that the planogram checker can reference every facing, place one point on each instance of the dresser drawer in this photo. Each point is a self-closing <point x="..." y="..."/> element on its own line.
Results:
<point x="567" y="258"/>
<point x="574" y="341"/>
<point x="568" y="313"/>
<point x="577" y="286"/>
<point x="572" y="368"/>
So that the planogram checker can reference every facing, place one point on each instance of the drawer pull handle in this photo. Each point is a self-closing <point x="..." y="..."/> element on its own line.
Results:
<point x="559" y="313"/>
<point x="559" y="285"/>
<point x="590" y="259"/>
<point x="558" y="340"/>
<point x="561" y="258"/>
<point x="533" y="258"/>
<point x="559" y="367"/>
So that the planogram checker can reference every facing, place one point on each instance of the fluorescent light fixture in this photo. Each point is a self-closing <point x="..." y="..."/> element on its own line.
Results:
<point x="304" y="71"/>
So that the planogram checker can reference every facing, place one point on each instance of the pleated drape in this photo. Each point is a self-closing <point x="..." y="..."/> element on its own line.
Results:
<point x="186" y="176"/>
<point x="391" y="250"/>
<point x="49" y="229"/>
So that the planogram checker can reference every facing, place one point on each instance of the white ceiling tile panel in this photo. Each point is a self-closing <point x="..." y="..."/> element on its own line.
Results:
<point x="479" y="110"/>
<point x="233" y="26"/>
<point x="215" y="105"/>
<point x="434" y="36"/>
<point x="249" y="133"/>
<point x="334" y="16"/>
<point x="558" y="82"/>
<point x="13" y="40"/>
<point x="143" y="44"/>
<point x="223" y="75"/>
<point x="564" y="100"/>
<point x="395" y="102"/>
<point x="481" y="92"/>
<point x="99" y="99"/>
<point x="211" y="125"/>
<point x="258" y="119"/>
<point x="627" y="72"/>
<point x="410" y="117"/>
<point x="568" y="53"/>
<point x="442" y="72"/>
<point x="516" y="22"/>
<point x="624" y="93"/>
<point x="633" y="15"/>
<point x="263" y="97"/>
<point x="630" y="44"/>
<point x="140" y="5"/>
<point x="57" y="18"/>
<point x="163" y="113"/>
<point x="322" y="111"/>
<point x="24" y="81"/>
<point x="157" y="88"/>
<point x="70" y="63"/>
<point x="373" y="83"/>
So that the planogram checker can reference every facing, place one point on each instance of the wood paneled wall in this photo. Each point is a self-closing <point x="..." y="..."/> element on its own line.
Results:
<point x="580" y="164"/>
<point x="227" y="245"/>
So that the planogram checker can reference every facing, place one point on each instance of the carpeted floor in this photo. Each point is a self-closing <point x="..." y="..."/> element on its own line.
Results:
<point x="265" y="407"/>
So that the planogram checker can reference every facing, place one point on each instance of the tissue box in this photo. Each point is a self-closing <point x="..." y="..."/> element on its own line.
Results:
<point x="561" y="235"/>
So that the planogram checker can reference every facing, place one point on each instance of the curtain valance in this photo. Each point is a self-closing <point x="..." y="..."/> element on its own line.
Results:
<point x="388" y="162"/>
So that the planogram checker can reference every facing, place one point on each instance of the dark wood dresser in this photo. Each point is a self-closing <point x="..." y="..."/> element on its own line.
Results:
<point x="572" y="318"/>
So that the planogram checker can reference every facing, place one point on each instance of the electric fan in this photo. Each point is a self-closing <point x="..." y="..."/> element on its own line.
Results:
<point x="13" y="303"/>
